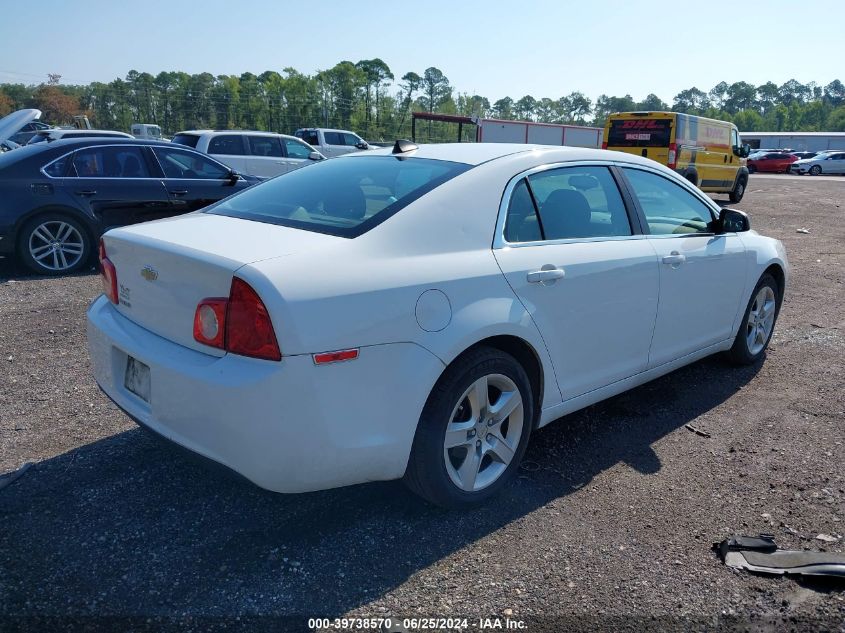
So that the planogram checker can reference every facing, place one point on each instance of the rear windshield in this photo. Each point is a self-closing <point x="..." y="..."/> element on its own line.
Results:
<point x="190" y="140"/>
<point x="639" y="133"/>
<point x="345" y="196"/>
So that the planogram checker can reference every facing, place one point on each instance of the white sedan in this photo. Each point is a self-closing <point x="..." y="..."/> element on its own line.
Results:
<point x="416" y="313"/>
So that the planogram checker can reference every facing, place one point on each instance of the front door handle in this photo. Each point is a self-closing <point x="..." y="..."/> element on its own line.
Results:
<point x="86" y="192"/>
<point x="179" y="192"/>
<point x="674" y="259"/>
<point x="546" y="273"/>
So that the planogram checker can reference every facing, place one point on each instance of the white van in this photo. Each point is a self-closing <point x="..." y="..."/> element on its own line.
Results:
<point x="261" y="154"/>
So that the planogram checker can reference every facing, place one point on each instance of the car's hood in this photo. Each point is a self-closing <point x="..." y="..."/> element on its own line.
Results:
<point x="805" y="161"/>
<point x="12" y="123"/>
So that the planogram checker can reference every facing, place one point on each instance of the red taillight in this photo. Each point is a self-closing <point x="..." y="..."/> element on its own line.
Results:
<point x="239" y="324"/>
<point x="673" y="156"/>
<point x="210" y="322"/>
<point x="108" y="274"/>
<point x="604" y="145"/>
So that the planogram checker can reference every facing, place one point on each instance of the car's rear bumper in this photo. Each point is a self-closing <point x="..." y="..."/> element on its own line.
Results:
<point x="288" y="426"/>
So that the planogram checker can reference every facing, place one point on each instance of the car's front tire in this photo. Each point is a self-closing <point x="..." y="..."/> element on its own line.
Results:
<point x="473" y="430"/>
<point x="815" y="170"/>
<point x="54" y="244"/>
<point x="758" y="323"/>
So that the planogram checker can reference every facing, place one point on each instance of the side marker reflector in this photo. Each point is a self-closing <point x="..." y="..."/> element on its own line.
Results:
<point x="335" y="357"/>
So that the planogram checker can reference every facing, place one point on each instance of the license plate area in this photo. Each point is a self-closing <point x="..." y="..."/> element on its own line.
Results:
<point x="137" y="378"/>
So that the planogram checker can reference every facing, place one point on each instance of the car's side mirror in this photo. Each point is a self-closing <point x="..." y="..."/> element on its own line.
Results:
<point x="234" y="177"/>
<point x="315" y="156"/>
<point x="362" y="145"/>
<point x="733" y="221"/>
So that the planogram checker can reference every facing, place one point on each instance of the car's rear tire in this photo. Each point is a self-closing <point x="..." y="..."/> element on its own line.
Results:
<point x="815" y="170"/>
<point x="473" y="430"/>
<point x="758" y="323"/>
<point x="54" y="244"/>
<point x="738" y="190"/>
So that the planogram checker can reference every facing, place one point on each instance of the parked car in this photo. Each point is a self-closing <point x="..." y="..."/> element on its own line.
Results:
<point x="832" y="162"/>
<point x="354" y="321"/>
<point x="262" y="154"/>
<point x="19" y="126"/>
<point x="59" y="197"/>
<point x="146" y="130"/>
<point x="8" y="146"/>
<point x="777" y="162"/>
<point x="332" y="143"/>
<point x="56" y="134"/>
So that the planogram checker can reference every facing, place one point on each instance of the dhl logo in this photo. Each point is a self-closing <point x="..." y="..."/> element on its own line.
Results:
<point x="643" y="124"/>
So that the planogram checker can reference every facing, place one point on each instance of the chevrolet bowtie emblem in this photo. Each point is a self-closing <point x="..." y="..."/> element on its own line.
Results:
<point x="149" y="273"/>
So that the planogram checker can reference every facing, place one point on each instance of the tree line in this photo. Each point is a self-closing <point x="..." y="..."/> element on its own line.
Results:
<point x="367" y="97"/>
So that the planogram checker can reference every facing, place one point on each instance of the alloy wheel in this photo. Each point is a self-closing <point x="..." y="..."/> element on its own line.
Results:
<point x="56" y="245"/>
<point x="761" y="320"/>
<point x="484" y="432"/>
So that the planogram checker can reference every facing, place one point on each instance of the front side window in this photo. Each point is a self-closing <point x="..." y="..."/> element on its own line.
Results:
<point x="109" y="162"/>
<point x="570" y="203"/>
<point x="185" y="164"/>
<point x="669" y="209"/>
<point x="228" y="144"/>
<point x="264" y="146"/>
<point x="343" y="197"/>
<point x="350" y="139"/>
<point x="295" y="149"/>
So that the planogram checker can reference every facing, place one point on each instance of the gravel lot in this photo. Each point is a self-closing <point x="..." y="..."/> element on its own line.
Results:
<point x="608" y="526"/>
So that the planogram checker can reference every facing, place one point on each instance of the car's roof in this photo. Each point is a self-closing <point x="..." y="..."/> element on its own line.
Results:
<point x="63" y="131"/>
<point x="219" y="132"/>
<point x="477" y="153"/>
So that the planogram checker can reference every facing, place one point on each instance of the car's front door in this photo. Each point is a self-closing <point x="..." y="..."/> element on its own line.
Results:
<point x="835" y="164"/>
<point x="702" y="275"/>
<point x="297" y="153"/>
<point x="588" y="280"/>
<point x="114" y="186"/>
<point x="193" y="181"/>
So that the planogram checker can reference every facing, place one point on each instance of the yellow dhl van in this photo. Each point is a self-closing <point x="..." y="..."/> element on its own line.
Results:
<point x="707" y="152"/>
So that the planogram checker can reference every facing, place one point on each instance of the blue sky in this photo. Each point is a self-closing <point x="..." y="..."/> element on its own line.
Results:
<point x="541" y="48"/>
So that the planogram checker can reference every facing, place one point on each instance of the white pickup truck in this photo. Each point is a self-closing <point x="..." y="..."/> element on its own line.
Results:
<point x="332" y="143"/>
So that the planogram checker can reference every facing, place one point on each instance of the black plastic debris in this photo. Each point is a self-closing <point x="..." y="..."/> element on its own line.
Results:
<point x="761" y="554"/>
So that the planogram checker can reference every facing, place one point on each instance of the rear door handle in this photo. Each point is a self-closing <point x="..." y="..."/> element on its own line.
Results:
<point x="547" y="273"/>
<point x="86" y="192"/>
<point x="179" y="192"/>
<point x="674" y="259"/>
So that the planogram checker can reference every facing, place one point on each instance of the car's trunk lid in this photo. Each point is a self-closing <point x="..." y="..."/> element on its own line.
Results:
<point x="165" y="268"/>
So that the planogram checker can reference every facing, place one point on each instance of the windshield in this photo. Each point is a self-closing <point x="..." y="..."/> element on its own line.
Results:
<point x="343" y="197"/>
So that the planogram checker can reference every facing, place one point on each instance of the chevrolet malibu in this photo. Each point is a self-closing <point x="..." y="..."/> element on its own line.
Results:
<point x="417" y="313"/>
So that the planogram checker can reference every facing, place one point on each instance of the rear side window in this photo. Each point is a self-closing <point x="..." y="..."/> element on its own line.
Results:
<point x="343" y="197"/>
<point x="228" y="144"/>
<point x="669" y="209"/>
<point x="109" y="162"/>
<point x="309" y="136"/>
<point x="58" y="168"/>
<point x="639" y="133"/>
<point x="571" y="203"/>
<point x="264" y="146"/>
<point x="189" y="140"/>
<point x="333" y="138"/>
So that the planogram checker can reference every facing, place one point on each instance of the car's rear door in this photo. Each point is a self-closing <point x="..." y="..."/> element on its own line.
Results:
<point x="115" y="186"/>
<point x="231" y="150"/>
<point x="193" y="181"/>
<point x="702" y="275"/>
<point x="266" y="156"/>
<point x="574" y="256"/>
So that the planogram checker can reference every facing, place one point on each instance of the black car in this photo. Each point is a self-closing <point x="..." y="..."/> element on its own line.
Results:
<point x="56" y="199"/>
